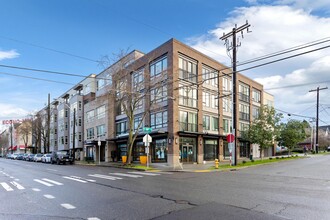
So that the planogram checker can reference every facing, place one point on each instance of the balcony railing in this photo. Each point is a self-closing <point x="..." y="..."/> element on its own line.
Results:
<point x="188" y="127"/>
<point x="244" y="98"/>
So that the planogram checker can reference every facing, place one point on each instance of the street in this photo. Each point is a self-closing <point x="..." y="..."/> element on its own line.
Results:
<point x="296" y="189"/>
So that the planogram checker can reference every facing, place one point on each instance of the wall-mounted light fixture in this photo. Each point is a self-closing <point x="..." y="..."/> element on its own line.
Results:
<point x="176" y="140"/>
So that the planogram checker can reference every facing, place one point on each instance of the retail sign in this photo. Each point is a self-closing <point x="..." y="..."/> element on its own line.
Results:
<point x="16" y="121"/>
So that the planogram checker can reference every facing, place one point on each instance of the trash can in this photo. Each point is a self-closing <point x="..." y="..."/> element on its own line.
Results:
<point x="251" y="157"/>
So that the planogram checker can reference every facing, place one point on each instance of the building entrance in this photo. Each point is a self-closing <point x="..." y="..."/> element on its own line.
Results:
<point x="188" y="152"/>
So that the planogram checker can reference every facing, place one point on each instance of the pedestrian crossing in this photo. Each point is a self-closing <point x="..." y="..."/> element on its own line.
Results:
<point x="91" y="178"/>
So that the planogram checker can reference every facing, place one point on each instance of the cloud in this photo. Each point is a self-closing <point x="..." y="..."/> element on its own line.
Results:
<point x="10" y="54"/>
<point x="10" y="111"/>
<point x="275" y="28"/>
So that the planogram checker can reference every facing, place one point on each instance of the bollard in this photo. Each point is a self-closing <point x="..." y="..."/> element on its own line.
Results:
<point x="216" y="162"/>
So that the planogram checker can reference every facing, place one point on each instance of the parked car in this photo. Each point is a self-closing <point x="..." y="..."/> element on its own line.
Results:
<point x="14" y="156"/>
<point x="328" y="148"/>
<point x="8" y="156"/>
<point x="37" y="157"/>
<point x="59" y="157"/>
<point x="30" y="157"/>
<point x="46" y="158"/>
<point x="25" y="156"/>
<point x="20" y="157"/>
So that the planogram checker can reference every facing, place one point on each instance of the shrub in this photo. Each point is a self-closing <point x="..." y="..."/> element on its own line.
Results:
<point x="243" y="161"/>
<point x="282" y="157"/>
<point x="277" y="158"/>
<point x="252" y="160"/>
<point x="270" y="158"/>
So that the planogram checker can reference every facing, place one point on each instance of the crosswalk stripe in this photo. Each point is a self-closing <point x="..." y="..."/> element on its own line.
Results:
<point x="105" y="177"/>
<point x="43" y="182"/>
<point x="78" y="180"/>
<point x="52" y="181"/>
<point x="89" y="180"/>
<point x="144" y="173"/>
<point x="36" y="189"/>
<point x="126" y="174"/>
<point x="68" y="206"/>
<point x="18" y="186"/>
<point x="6" y="187"/>
<point x="49" y="196"/>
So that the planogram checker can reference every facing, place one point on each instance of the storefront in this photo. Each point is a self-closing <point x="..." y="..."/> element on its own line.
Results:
<point x="244" y="149"/>
<point x="188" y="149"/>
<point x="226" y="153"/>
<point x="211" y="149"/>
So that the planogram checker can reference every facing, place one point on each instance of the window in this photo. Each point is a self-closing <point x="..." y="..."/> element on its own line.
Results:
<point x="100" y="130"/>
<point x="226" y="105"/>
<point x="187" y="69"/>
<point x="244" y="92"/>
<point x="256" y="96"/>
<point x="210" y="76"/>
<point x="66" y="125"/>
<point x="188" y="96"/>
<point x="61" y="114"/>
<point x="226" y="84"/>
<point x="90" y="116"/>
<point x="206" y="99"/>
<point x="206" y="122"/>
<point x="243" y="126"/>
<point x="158" y="119"/>
<point x="158" y="94"/>
<point x="158" y="67"/>
<point x="79" y="105"/>
<point x="79" y="121"/>
<point x="66" y="140"/>
<point x="62" y="140"/>
<point x="79" y="137"/>
<point x="188" y="121"/>
<point x="255" y="112"/>
<point x="137" y="80"/>
<point x="121" y="127"/>
<point x="90" y="133"/>
<point x="100" y="84"/>
<point x="214" y="123"/>
<point x="214" y="101"/>
<point x="244" y="112"/>
<point x="227" y="125"/>
<point x="120" y="108"/>
<point x="100" y="112"/>
<point x="137" y="121"/>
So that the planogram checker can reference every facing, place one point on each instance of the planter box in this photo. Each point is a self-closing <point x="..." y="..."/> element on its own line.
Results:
<point x="143" y="159"/>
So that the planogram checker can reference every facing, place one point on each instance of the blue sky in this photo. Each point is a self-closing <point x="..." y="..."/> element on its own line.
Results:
<point x="91" y="29"/>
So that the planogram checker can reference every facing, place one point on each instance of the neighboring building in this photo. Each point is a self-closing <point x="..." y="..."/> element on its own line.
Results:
<point x="190" y="113"/>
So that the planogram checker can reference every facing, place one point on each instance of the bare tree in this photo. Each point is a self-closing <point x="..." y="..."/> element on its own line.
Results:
<point x="136" y="93"/>
<point x="25" y="131"/>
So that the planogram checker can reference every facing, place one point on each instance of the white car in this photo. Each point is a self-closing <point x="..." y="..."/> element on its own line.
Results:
<point x="37" y="157"/>
<point x="46" y="158"/>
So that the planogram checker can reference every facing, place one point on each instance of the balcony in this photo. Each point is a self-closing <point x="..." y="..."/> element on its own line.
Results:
<point x="244" y="98"/>
<point x="244" y="116"/>
<point x="188" y="127"/>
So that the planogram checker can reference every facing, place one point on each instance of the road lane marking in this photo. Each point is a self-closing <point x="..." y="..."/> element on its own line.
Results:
<point x="16" y="179"/>
<point x="18" y="186"/>
<point x="68" y="206"/>
<point x="49" y="196"/>
<point x="52" y="181"/>
<point x="43" y="182"/>
<point x="36" y="189"/>
<point x="144" y="173"/>
<point x="12" y="177"/>
<point x="78" y="180"/>
<point x="93" y="218"/>
<point x="126" y="175"/>
<point x="78" y="177"/>
<point x="6" y="187"/>
<point x="51" y="169"/>
<point x="105" y="177"/>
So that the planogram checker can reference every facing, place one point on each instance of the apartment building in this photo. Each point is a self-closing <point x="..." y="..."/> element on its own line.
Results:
<point x="187" y="103"/>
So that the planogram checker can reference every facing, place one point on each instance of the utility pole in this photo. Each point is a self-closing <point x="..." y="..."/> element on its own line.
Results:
<point x="317" y="116"/>
<point x="11" y="136"/>
<point x="74" y="135"/>
<point x="48" y="124"/>
<point x="233" y="47"/>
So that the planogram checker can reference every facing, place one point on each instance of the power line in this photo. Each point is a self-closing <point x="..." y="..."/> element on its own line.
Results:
<point x="35" y="78"/>
<point x="50" y="49"/>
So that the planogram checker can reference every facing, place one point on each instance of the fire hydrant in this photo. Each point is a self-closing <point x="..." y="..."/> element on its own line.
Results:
<point x="216" y="163"/>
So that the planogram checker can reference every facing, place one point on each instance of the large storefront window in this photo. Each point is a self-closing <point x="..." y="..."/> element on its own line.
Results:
<point x="138" y="150"/>
<point x="188" y="150"/>
<point x="244" y="149"/>
<point x="210" y="150"/>
<point x="122" y="150"/>
<point x="159" y="153"/>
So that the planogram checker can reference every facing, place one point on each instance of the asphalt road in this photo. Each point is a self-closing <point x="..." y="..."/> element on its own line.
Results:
<point x="297" y="189"/>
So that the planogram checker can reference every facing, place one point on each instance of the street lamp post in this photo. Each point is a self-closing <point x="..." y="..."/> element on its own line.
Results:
<point x="74" y="135"/>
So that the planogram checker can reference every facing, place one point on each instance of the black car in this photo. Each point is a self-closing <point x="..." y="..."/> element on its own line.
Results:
<point x="61" y="157"/>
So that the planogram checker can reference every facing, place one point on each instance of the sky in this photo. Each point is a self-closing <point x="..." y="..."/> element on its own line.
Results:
<point x="73" y="36"/>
